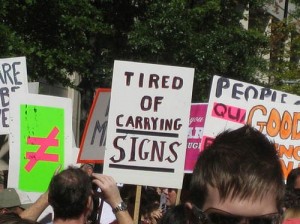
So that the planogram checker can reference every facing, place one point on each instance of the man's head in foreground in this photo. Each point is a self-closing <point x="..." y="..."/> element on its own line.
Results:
<point x="70" y="194"/>
<point x="238" y="179"/>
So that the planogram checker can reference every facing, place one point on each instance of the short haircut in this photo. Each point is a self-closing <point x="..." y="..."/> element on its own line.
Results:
<point x="69" y="193"/>
<point x="240" y="163"/>
<point x="291" y="179"/>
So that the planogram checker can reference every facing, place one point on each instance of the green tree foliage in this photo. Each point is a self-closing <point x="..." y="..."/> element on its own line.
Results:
<point x="55" y="36"/>
<point x="285" y="44"/>
<point x="206" y="35"/>
<point x="85" y="36"/>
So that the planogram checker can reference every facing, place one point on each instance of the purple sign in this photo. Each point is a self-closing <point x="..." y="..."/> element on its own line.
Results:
<point x="196" y="124"/>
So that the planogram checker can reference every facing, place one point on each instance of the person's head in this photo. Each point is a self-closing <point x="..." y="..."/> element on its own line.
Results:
<point x="240" y="174"/>
<point x="293" y="179"/>
<point x="149" y="204"/>
<point x="175" y="215"/>
<point x="70" y="194"/>
<point x="13" y="200"/>
<point x="171" y="197"/>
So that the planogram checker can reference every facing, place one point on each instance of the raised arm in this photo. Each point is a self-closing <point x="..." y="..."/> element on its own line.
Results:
<point x="111" y="195"/>
<point x="36" y="209"/>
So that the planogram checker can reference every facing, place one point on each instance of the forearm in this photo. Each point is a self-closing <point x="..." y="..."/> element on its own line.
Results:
<point x="123" y="217"/>
<point x="36" y="209"/>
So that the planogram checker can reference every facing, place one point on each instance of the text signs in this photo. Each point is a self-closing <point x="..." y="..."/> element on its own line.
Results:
<point x="231" y="101"/>
<point x="148" y="123"/>
<point x="92" y="146"/>
<point x="280" y="123"/>
<point x="13" y="78"/>
<point x="40" y="139"/>
<point x="196" y="125"/>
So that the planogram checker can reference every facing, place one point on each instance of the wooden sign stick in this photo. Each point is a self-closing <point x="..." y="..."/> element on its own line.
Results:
<point x="137" y="203"/>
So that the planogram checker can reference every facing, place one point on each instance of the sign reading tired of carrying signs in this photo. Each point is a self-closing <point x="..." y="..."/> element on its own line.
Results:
<point x="148" y="123"/>
<point x="40" y="139"/>
<point x="13" y="78"/>
<point x="92" y="146"/>
<point x="196" y="125"/>
<point x="233" y="104"/>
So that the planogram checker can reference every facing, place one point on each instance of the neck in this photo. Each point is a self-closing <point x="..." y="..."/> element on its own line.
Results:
<point x="80" y="220"/>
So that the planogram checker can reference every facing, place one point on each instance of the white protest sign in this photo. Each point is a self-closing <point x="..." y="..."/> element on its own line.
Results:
<point x="231" y="101"/>
<point x="40" y="139"/>
<point x="148" y="124"/>
<point x="92" y="146"/>
<point x="13" y="78"/>
<point x="33" y="87"/>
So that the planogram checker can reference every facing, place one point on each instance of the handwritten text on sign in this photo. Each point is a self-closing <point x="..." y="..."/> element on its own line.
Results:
<point x="159" y="150"/>
<point x="194" y="138"/>
<point x="13" y="77"/>
<point x="282" y="126"/>
<point x="148" y="119"/>
<point x="273" y="120"/>
<point x="238" y="92"/>
<point x="92" y="146"/>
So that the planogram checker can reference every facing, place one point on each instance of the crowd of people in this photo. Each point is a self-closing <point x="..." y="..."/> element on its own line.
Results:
<point x="237" y="179"/>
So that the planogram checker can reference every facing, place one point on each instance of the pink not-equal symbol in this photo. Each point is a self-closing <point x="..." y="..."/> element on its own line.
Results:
<point x="40" y="154"/>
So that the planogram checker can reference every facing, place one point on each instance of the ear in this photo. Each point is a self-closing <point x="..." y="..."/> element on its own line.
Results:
<point x="89" y="206"/>
<point x="188" y="205"/>
<point x="189" y="213"/>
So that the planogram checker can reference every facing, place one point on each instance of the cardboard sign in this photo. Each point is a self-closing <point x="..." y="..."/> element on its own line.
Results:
<point x="92" y="146"/>
<point x="148" y="123"/>
<point x="13" y="78"/>
<point x="231" y="104"/>
<point x="40" y="140"/>
<point x="196" y="126"/>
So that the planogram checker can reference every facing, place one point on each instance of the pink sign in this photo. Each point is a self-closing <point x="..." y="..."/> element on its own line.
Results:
<point x="196" y="124"/>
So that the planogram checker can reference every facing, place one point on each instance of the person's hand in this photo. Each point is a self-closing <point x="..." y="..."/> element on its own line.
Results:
<point x="109" y="189"/>
<point x="156" y="216"/>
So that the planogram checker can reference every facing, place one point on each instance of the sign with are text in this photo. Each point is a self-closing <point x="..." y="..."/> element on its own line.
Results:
<point x="230" y="106"/>
<point x="92" y="146"/>
<point x="13" y="78"/>
<point x="196" y="125"/>
<point x="148" y="123"/>
<point x="40" y="140"/>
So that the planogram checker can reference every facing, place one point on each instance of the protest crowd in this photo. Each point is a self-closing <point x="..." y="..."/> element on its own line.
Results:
<point x="227" y="186"/>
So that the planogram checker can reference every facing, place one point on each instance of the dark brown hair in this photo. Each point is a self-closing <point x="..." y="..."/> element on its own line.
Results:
<point x="242" y="163"/>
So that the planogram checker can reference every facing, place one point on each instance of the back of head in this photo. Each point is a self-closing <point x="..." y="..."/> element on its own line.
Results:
<point x="69" y="193"/>
<point x="241" y="164"/>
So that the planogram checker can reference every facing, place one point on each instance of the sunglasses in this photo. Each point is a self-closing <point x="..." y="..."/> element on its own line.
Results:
<point x="217" y="216"/>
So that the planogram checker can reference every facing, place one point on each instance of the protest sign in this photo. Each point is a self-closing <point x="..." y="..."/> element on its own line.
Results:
<point x="148" y="123"/>
<point x="13" y="78"/>
<point x="40" y="139"/>
<point x="33" y="87"/>
<point x="231" y="102"/>
<point x="92" y="146"/>
<point x="196" y="125"/>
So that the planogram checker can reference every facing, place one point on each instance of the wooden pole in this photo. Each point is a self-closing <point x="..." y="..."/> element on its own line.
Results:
<point x="178" y="196"/>
<point x="137" y="203"/>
